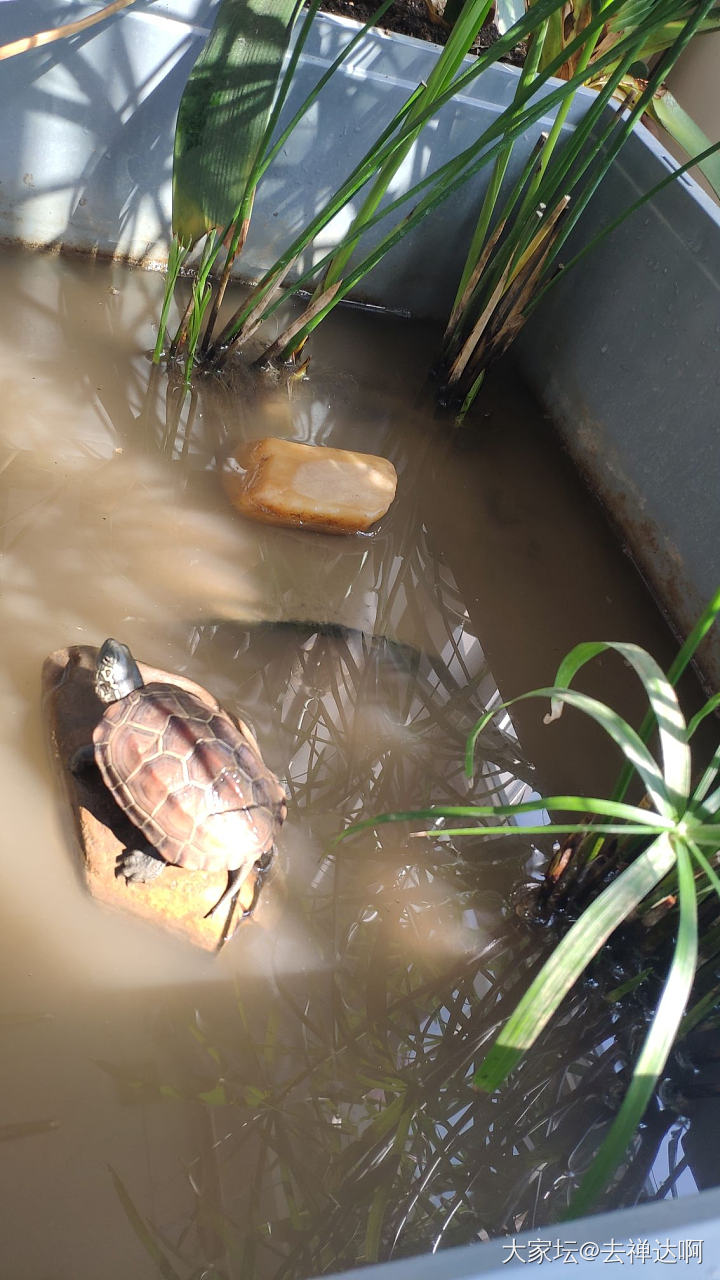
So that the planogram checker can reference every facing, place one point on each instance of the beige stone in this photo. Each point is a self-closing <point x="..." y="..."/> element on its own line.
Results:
<point x="308" y="486"/>
<point x="178" y="899"/>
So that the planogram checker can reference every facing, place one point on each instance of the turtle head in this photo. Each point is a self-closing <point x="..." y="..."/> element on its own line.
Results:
<point x="116" y="672"/>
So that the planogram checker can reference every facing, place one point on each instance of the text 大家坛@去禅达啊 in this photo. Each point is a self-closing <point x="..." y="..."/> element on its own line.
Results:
<point x="632" y="1251"/>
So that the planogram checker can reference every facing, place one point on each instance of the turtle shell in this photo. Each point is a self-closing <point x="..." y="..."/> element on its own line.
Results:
<point x="190" y="778"/>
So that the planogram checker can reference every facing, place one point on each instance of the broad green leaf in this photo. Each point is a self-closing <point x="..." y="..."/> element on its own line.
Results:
<point x="224" y="112"/>
<point x="667" y="111"/>
<point x="570" y="958"/>
<point x="658" y="1043"/>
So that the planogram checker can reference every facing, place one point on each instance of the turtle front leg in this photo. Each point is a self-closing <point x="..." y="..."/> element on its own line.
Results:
<point x="139" y="866"/>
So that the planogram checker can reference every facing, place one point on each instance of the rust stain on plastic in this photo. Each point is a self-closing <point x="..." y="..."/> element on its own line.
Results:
<point x="655" y="557"/>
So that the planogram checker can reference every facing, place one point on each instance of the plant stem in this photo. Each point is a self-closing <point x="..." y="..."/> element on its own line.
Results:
<point x="176" y="257"/>
<point x="239" y="236"/>
<point x="477" y="243"/>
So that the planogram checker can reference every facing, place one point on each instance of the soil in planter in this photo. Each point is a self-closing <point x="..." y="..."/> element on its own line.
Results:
<point x="413" y="18"/>
<point x="301" y="1102"/>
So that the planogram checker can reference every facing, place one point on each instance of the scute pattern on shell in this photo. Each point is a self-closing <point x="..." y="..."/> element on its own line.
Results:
<point x="189" y="778"/>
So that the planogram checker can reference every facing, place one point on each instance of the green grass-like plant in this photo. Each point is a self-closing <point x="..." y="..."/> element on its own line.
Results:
<point x="670" y="840"/>
<point x="513" y="256"/>
<point x="226" y="139"/>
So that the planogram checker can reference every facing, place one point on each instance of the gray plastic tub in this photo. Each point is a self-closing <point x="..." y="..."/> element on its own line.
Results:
<point x="682" y="1234"/>
<point x="623" y="352"/>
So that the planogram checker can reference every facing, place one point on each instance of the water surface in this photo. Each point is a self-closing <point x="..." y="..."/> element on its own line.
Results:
<point x="248" y="1105"/>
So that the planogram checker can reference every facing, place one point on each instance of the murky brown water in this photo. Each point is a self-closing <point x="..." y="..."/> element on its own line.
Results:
<point x="247" y="1103"/>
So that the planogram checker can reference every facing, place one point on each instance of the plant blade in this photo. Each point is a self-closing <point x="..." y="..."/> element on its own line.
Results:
<point x="667" y="111"/>
<point x="663" y="702"/>
<point x="645" y="818"/>
<point x="569" y="960"/>
<point x="657" y="1046"/>
<point x="629" y="742"/>
<point x="141" y="1229"/>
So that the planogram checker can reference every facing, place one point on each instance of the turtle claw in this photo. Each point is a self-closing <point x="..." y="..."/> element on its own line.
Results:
<point x="138" y="867"/>
<point x="234" y="885"/>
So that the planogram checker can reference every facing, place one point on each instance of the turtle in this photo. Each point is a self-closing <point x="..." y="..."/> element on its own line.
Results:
<point x="189" y="776"/>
